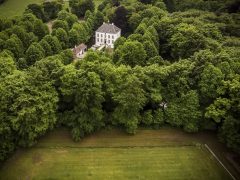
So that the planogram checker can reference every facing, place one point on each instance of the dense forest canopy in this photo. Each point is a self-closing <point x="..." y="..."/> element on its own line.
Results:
<point x="177" y="63"/>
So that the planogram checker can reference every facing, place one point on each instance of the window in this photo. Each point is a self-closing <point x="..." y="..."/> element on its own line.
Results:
<point x="112" y="36"/>
<point x="112" y="41"/>
<point x="97" y="39"/>
<point x="101" y="35"/>
<point x="108" y="36"/>
<point x="108" y="41"/>
<point x="97" y="35"/>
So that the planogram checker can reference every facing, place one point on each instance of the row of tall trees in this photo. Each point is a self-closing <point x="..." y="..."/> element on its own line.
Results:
<point x="179" y="69"/>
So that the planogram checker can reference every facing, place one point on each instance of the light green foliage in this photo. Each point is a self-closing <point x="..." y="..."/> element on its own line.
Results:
<point x="226" y="111"/>
<point x="184" y="112"/>
<point x="131" y="53"/>
<point x="211" y="79"/>
<point x="68" y="17"/>
<point x="60" y="24"/>
<point x="119" y="41"/>
<point x="7" y="65"/>
<point x="129" y="97"/>
<point x="186" y="41"/>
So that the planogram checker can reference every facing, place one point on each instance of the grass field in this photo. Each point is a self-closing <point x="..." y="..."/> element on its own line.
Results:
<point x="12" y="8"/>
<point x="114" y="155"/>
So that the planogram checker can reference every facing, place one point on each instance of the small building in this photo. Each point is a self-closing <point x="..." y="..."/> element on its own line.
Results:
<point x="106" y="35"/>
<point x="79" y="51"/>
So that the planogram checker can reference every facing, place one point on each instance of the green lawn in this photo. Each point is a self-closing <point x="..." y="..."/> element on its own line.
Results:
<point x="12" y="8"/>
<point x="114" y="155"/>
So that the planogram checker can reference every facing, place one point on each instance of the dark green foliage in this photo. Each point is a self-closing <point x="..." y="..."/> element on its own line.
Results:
<point x="34" y="53"/>
<point x="131" y="53"/>
<point x="40" y="29"/>
<point x="120" y="19"/>
<point x="51" y="9"/>
<point x="62" y="36"/>
<point x="28" y="104"/>
<point x="37" y="10"/>
<point x="15" y="45"/>
<point x="87" y="114"/>
<point x="79" y="7"/>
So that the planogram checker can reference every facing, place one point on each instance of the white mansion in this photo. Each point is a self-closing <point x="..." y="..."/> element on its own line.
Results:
<point x="107" y="34"/>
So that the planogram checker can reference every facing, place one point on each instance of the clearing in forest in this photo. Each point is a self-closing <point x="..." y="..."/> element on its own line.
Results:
<point x="113" y="155"/>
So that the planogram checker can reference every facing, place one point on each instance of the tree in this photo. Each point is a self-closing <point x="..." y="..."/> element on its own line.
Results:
<point x="60" y="24"/>
<point x="46" y="47"/>
<point x="83" y="32"/>
<point x="120" y="41"/>
<point x="131" y="53"/>
<point x="120" y="19"/>
<point x="184" y="112"/>
<point x="7" y="65"/>
<point x="68" y="17"/>
<point x="134" y="21"/>
<point x="51" y="9"/>
<point x="225" y="112"/>
<point x="150" y="49"/>
<point x="85" y="89"/>
<point x="74" y="38"/>
<point x="29" y="107"/>
<point x="54" y="43"/>
<point x="34" y="53"/>
<point x="210" y="81"/>
<point x="79" y="7"/>
<point x="128" y="95"/>
<point x="37" y="10"/>
<point x="40" y="29"/>
<point x="186" y="41"/>
<point x="98" y="19"/>
<point x="14" y="44"/>
<point x="62" y="36"/>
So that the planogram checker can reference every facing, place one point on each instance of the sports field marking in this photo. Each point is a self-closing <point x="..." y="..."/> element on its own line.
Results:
<point x="208" y="148"/>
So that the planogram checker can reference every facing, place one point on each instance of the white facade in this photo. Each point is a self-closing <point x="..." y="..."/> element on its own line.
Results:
<point x="106" y="38"/>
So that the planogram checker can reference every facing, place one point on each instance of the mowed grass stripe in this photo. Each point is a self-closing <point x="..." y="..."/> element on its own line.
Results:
<point x="187" y="162"/>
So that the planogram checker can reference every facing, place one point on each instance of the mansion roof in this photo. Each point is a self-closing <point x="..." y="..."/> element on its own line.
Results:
<point x="108" y="28"/>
